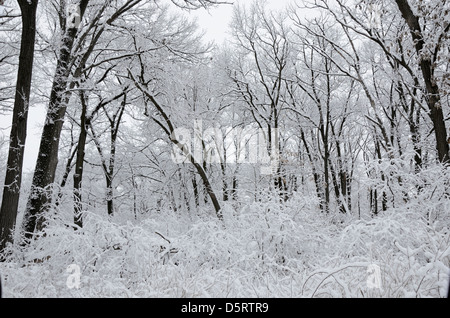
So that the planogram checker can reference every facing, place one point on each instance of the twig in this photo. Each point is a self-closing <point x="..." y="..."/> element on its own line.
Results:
<point x="163" y="237"/>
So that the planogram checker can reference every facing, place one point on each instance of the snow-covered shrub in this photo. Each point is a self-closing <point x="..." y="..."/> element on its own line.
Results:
<point x="409" y="243"/>
<point x="261" y="249"/>
<point x="413" y="259"/>
<point x="427" y="190"/>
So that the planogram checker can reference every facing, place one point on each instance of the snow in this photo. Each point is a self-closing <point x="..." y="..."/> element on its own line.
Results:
<point x="165" y="239"/>
<point x="266" y="250"/>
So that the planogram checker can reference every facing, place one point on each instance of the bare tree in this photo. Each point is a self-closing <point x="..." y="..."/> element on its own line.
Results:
<point x="264" y="48"/>
<point x="428" y="39"/>
<point x="323" y="98"/>
<point x="86" y="118"/>
<point x="10" y="23"/>
<point x="427" y="66"/>
<point x="169" y="128"/>
<point x="47" y="161"/>
<point x="77" y="48"/>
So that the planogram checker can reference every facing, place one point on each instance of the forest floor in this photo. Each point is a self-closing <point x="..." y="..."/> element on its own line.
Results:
<point x="259" y="250"/>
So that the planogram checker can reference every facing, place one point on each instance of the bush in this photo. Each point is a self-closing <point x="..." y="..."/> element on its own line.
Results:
<point x="259" y="250"/>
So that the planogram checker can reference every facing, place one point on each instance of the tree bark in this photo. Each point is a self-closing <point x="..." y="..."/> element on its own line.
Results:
<point x="109" y="195"/>
<point x="47" y="161"/>
<point x="79" y="162"/>
<point x="195" y="187"/>
<point x="13" y="178"/>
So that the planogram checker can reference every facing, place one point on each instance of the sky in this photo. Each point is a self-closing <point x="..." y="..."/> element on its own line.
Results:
<point x="215" y="23"/>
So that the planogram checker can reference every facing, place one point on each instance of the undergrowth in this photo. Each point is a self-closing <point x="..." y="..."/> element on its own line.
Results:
<point x="259" y="250"/>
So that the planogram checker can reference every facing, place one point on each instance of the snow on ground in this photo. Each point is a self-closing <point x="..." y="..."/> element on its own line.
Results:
<point x="260" y="250"/>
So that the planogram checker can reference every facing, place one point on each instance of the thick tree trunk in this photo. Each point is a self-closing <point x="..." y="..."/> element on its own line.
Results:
<point x="440" y="131"/>
<point x="13" y="178"/>
<point x="234" y="188"/>
<point x="47" y="161"/>
<point x="109" y="195"/>
<point x="209" y="189"/>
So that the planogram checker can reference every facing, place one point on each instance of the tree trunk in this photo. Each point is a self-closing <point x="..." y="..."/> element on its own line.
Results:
<point x="114" y="124"/>
<point x="195" y="186"/>
<point x="79" y="163"/>
<point x="383" y="179"/>
<point x="209" y="189"/>
<point x="169" y="131"/>
<point x="326" y="184"/>
<point x="109" y="195"/>
<point x="225" y="190"/>
<point x="13" y="178"/>
<point x="47" y="161"/>
<point x="234" y="188"/>
<point x="374" y="201"/>
<point x="316" y="175"/>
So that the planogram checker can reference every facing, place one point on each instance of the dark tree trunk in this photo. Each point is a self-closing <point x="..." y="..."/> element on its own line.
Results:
<point x="195" y="186"/>
<point x="114" y="123"/>
<point x="109" y="196"/>
<point x="326" y="184"/>
<point x="135" y="189"/>
<point x="169" y="131"/>
<point x="234" y="187"/>
<point x="383" y="179"/>
<point x="413" y="121"/>
<point x="108" y="169"/>
<point x="13" y="178"/>
<point x="199" y="167"/>
<point x="209" y="189"/>
<point x="225" y="190"/>
<point x="374" y="200"/>
<point x="66" y="174"/>
<point x="47" y="161"/>
<point x="316" y="175"/>
<point x="78" y="175"/>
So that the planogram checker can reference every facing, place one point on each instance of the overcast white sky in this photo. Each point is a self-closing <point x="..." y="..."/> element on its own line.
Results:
<point x="215" y="21"/>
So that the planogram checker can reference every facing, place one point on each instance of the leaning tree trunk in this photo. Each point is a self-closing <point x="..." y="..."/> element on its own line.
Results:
<point x="169" y="130"/>
<point x="47" y="161"/>
<point x="13" y="178"/>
